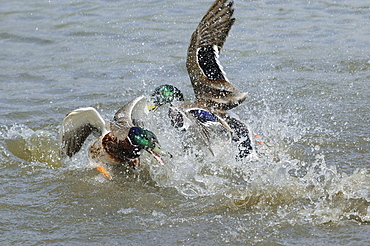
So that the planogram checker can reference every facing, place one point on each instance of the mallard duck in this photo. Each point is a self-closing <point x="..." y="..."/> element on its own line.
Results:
<point x="204" y="120"/>
<point x="119" y="142"/>
<point x="214" y="94"/>
<point x="211" y="87"/>
<point x="184" y="115"/>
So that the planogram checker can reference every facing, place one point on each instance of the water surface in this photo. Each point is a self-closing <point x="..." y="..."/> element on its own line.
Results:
<point x="306" y="68"/>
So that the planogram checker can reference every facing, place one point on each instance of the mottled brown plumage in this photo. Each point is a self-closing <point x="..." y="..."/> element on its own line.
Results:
<point x="214" y="94"/>
<point x="211" y="87"/>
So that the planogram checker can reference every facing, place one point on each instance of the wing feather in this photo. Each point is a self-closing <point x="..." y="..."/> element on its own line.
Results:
<point x="77" y="126"/>
<point x="132" y="113"/>
<point x="211" y="87"/>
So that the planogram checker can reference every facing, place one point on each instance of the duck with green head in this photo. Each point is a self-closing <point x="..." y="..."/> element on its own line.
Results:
<point x="119" y="142"/>
<point x="214" y="94"/>
<point x="185" y="115"/>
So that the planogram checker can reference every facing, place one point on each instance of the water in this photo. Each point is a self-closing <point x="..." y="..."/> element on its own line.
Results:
<point x="306" y="68"/>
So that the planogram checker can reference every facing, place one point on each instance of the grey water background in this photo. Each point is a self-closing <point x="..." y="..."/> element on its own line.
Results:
<point x="306" y="67"/>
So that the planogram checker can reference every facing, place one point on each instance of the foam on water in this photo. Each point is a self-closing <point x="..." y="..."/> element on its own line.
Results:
<point x="276" y="179"/>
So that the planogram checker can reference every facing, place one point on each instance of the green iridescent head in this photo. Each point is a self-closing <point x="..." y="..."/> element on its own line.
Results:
<point x="147" y="140"/>
<point x="142" y="138"/>
<point x="166" y="94"/>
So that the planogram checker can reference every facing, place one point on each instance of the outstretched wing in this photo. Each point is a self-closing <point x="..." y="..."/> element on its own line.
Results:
<point x="209" y="81"/>
<point x="132" y="113"/>
<point x="77" y="126"/>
